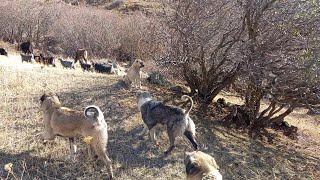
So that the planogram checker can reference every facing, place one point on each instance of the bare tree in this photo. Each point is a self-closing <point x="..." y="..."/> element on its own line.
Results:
<point x="280" y="51"/>
<point x="203" y="36"/>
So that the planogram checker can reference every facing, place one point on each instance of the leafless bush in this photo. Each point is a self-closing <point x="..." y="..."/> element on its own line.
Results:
<point x="280" y="52"/>
<point x="203" y="38"/>
<point x="61" y="28"/>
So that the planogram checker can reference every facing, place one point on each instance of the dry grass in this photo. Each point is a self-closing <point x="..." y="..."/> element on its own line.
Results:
<point x="239" y="157"/>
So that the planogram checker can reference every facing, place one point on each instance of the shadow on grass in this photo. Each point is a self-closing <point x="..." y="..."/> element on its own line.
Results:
<point x="254" y="159"/>
<point x="132" y="151"/>
<point x="28" y="166"/>
<point x="237" y="156"/>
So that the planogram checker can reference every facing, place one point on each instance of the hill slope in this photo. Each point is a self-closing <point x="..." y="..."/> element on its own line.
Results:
<point x="133" y="158"/>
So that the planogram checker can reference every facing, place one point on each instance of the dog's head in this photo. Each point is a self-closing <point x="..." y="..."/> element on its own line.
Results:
<point x="198" y="163"/>
<point x="143" y="95"/>
<point x="50" y="99"/>
<point x="138" y="63"/>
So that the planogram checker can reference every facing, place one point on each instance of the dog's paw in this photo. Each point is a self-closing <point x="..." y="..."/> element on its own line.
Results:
<point x="140" y="137"/>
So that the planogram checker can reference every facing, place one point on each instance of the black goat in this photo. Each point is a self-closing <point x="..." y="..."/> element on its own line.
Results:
<point x="103" y="68"/>
<point x="47" y="60"/>
<point x="85" y="66"/>
<point x="26" y="47"/>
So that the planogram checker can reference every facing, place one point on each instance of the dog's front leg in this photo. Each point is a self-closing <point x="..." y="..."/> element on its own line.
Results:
<point x="73" y="148"/>
<point x="144" y="131"/>
<point x="135" y="83"/>
<point x="152" y="134"/>
<point x="48" y="133"/>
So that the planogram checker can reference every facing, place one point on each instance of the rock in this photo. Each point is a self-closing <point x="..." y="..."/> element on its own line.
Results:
<point x="156" y="78"/>
<point x="178" y="88"/>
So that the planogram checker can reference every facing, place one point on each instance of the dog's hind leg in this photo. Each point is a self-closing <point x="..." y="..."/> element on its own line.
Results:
<point x="102" y="154"/>
<point x="190" y="133"/>
<point x="73" y="148"/>
<point x="190" y="136"/>
<point x="172" y="136"/>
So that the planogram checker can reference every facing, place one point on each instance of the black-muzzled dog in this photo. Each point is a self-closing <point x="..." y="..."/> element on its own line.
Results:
<point x="176" y="119"/>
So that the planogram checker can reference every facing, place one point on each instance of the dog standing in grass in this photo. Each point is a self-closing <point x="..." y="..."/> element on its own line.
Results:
<point x="176" y="119"/>
<point x="134" y="74"/>
<point x="201" y="166"/>
<point x="69" y="123"/>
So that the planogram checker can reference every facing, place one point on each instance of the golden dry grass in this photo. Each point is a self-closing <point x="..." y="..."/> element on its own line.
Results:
<point x="239" y="157"/>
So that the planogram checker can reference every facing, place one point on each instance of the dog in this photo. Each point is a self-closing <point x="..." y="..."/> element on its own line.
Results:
<point x="200" y="165"/>
<point x="67" y="64"/>
<point x="176" y="119"/>
<point x="69" y="123"/>
<point x="134" y="73"/>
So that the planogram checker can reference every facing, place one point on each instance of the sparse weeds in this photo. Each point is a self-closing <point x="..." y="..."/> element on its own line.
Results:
<point x="133" y="157"/>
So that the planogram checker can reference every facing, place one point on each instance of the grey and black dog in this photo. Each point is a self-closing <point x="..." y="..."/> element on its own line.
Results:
<point x="176" y="119"/>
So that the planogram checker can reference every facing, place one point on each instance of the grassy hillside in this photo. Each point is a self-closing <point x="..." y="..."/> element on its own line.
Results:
<point x="239" y="157"/>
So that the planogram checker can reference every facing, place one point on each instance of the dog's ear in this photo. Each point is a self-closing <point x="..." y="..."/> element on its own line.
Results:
<point x="186" y="154"/>
<point x="141" y="64"/>
<point x="138" y="93"/>
<point x="43" y="97"/>
<point x="192" y="168"/>
<point x="146" y="94"/>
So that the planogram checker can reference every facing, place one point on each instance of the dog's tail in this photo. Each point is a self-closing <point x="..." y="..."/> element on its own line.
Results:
<point x="186" y="98"/>
<point x="94" y="112"/>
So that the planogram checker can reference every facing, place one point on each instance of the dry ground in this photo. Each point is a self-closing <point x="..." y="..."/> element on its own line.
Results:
<point x="239" y="157"/>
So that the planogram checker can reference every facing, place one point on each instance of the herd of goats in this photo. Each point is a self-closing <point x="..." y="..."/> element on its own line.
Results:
<point x="90" y="123"/>
<point x="28" y="55"/>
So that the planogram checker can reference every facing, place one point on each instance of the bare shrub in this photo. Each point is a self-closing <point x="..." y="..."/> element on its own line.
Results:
<point x="61" y="28"/>
<point x="280" y="52"/>
<point x="203" y="37"/>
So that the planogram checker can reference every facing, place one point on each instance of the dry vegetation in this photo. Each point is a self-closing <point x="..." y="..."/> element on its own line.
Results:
<point x="133" y="158"/>
<point x="132" y="29"/>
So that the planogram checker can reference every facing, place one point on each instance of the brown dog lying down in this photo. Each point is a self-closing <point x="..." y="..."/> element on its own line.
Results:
<point x="201" y="166"/>
<point x="70" y="123"/>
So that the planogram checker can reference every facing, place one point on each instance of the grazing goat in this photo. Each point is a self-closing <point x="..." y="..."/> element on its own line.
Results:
<point x="26" y="57"/>
<point x="26" y="47"/>
<point x="37" y="57"/>
<point x="3" y="52"/>
<point x="47" y="60"/>
<point x="67" y="64"/>
<point x="103" y="68"/>
<point x="81" y="54"/>
<point x="85" y="66"/>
